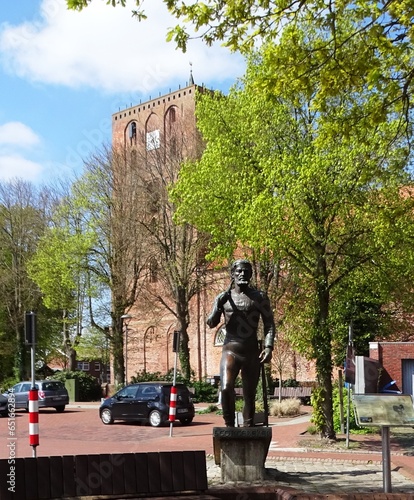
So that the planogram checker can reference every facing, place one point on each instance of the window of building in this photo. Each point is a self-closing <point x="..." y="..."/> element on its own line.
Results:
<point x="97" y="366"/>
<point x="172" y="115"/>
<point x="132" y="132"/>
<point x="83" y="365"/>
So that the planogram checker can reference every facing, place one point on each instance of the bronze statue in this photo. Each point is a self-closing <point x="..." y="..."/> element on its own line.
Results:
<point x="242" y="307"/>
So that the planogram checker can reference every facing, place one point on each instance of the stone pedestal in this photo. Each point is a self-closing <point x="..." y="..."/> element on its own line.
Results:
<point x="241" y="452"/>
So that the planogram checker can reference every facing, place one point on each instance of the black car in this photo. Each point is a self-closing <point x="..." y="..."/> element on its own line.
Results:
<point x="148" y="402"/>
<point x="4" y="401"/>
<point x="51" y="393"/>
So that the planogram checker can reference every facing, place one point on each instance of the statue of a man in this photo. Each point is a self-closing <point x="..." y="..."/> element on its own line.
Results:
<point x="242" y="307"/>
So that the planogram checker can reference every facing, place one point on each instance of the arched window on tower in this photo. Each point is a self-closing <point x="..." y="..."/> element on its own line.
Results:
<point x="133" y="132"/>
<point x="171" y="128"/>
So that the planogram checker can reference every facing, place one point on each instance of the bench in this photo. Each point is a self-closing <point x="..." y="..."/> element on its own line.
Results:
<point x="107" y="475"/>
<point x="302" y="393"/>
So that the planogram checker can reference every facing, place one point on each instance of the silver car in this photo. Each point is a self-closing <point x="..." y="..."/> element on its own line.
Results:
<point x="51" y="393"/>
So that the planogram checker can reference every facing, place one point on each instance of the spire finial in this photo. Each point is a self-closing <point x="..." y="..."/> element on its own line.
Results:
<point x="191" y="74"/>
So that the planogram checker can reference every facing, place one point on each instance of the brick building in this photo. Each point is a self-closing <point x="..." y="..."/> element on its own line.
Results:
<point x="397" y="358"/>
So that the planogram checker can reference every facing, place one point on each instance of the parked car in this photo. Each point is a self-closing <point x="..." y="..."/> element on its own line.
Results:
<point x="51" y="393"/>
<point x="147" y="402"/>
<point x="4" y="400"/>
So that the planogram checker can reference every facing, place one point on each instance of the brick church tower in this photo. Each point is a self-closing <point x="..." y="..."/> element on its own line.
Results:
<point x="162" y="132"/>
<point x="148" y="124"/>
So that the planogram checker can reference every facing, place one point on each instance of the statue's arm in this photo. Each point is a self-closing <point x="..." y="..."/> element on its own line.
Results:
<point x="213" y="319"/>
<point x="269" y="330"/>
<point x="268" y="323"/>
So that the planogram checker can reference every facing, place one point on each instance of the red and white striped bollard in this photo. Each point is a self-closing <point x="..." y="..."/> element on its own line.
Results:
<point x="173" y="403"/>
<point x="33" y="418"/>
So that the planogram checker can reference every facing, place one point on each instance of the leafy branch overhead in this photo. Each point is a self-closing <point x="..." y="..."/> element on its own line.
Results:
<point x="352" y="45"/>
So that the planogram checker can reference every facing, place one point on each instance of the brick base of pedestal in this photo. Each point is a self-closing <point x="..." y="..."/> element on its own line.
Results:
<point x="241" y="452"/>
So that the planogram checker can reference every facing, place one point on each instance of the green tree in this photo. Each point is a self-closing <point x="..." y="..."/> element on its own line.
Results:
<point x="59" y="267"/>
<point x="24" y="216"/>
<point x="325" y="198"/>
<point x="93" y="257"/>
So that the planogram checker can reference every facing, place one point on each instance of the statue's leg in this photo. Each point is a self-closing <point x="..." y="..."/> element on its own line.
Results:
<point x="250" y="373"/>
<point x="229" y="369"/>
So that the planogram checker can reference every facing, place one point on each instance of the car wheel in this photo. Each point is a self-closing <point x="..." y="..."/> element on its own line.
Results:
<point x="60" y="409"/>
<point x="155" y="418"/>
<point x="106" y="416"/>
<point x="186" y="421"/>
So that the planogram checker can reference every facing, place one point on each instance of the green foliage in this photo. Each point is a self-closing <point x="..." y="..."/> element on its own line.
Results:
<point x="150" y="377"/>
<point x="346" y="48"/>
<point x="89" y="388"/>
<point x="310" y="191"/>
<point x="239" y="404"/>
<point x="204" y="392"/>
<point x="290" y="382"/>
<point x="210" y="409"/>
<point x="318" y="418"/>
<point x="8" y="383"/>
<point x="337" y="413"/>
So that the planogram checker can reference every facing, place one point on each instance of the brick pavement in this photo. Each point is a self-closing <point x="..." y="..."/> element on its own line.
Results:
<point x="291" y="466"/>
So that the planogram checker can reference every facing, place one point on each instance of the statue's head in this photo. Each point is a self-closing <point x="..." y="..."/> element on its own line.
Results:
<point x="241" y="271"/>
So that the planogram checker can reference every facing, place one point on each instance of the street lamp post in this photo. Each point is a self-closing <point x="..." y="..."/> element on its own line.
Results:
<point x="200" y="276"/>
<point x="149" y="329"/>
<point x="123" y="318"/>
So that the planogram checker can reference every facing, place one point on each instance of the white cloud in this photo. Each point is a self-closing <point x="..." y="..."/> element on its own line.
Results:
<point x="15" y="136"/>
<point x="15" y="166"/>
<point x="105" y="48"/>
<point x="17" y="133"/>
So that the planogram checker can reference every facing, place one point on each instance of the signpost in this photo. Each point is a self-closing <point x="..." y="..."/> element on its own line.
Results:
<point x="385" y="411"/>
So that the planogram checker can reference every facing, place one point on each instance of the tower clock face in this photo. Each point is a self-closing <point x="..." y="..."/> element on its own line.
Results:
<point x="153" y="140"/>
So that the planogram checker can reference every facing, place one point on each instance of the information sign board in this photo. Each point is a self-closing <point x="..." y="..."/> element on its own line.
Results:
<point x="392" y="410"/>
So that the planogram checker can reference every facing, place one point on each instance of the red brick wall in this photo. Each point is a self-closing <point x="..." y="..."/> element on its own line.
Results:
<point x="390" y="355"/>
<point x="184" y="99"/>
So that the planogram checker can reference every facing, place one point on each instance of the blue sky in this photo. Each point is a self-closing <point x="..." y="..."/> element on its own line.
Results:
<point x="63" y="74"/>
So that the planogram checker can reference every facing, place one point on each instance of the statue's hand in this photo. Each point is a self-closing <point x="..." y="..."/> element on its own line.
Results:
<point x="266" y="355"/>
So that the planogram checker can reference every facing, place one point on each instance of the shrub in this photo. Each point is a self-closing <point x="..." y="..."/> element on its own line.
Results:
<point x="285" y="408"/>
<point x="318" y="418"/>
<point x="89" y="388"/>
<point x="8" y="383"/>
<point x="290" y="382"/>
<point x="148" y="377"/>
<point x="204" y="392"/>
<point x="209" y="409"/>
<point x="337" y="410"/>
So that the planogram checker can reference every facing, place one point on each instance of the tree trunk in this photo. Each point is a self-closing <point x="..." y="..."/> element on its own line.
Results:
<point x="117" y="343"/>
<point x="182" y="314"/>
<point x="323" y="351"/>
